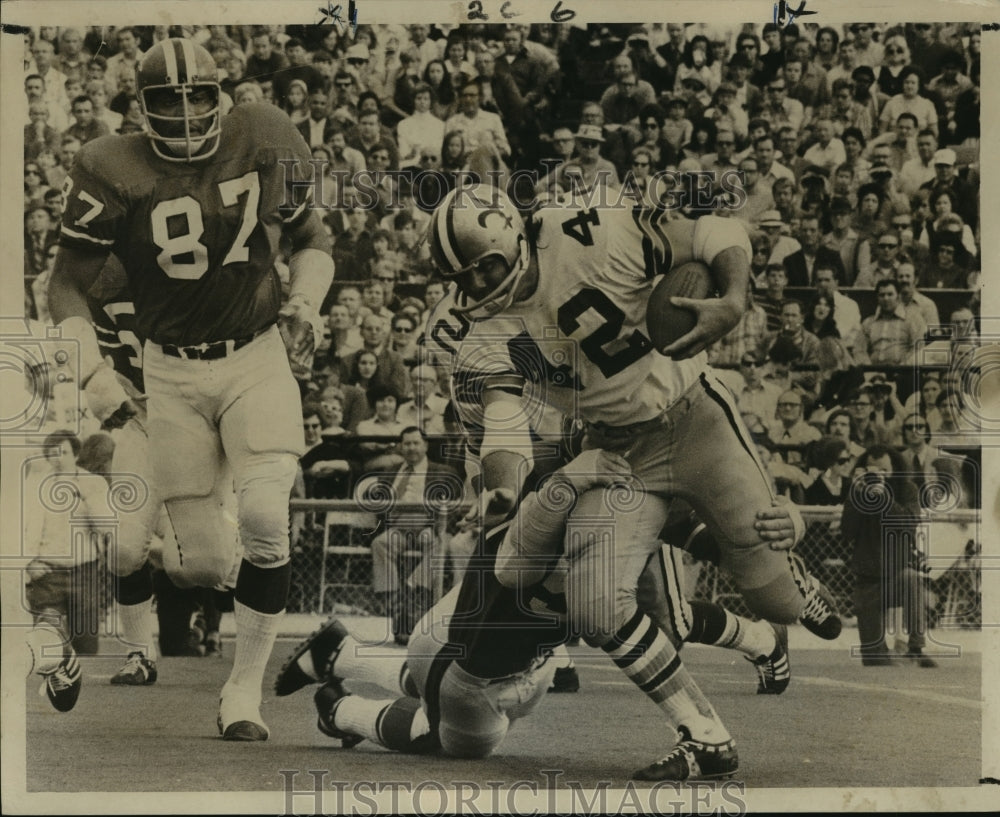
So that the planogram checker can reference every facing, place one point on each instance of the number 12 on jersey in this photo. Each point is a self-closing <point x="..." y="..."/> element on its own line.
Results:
<point x="182" y="255"/>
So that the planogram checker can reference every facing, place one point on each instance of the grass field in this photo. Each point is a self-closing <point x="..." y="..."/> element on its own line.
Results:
<point x="837" y="725"/>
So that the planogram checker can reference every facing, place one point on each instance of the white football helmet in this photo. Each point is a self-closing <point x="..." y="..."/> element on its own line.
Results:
<point x="179" y="69"/>
<point x="471" y="224"/>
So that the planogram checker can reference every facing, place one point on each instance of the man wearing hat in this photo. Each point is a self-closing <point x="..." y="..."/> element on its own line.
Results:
<point x="869" y="52"/>
<point x="589" y="169"/>
<point x="781" y="245"/>
<point x="726" y="113"/>
<point x="946" y="177"/>
<point x="695" y="93"/>
<point x="843" y="238"/>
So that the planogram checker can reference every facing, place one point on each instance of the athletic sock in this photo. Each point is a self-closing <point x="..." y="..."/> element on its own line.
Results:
<point x="46" y="646"/>
<point x="136" y="627"/>
<point x="561" y="658"/>
<point x="394" y="724"/>
<point x="255" y="636"/>
<point x="644" y="653"/>
<point x="385" y="670"/>
<point x="715" y="625"/>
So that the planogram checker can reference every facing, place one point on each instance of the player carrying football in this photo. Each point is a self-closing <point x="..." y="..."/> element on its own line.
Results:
<point x="556" y="308"/>
<point x="195" y="208"/>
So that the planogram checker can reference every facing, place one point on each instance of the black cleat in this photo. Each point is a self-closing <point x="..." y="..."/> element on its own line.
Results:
<point x="323" y="647"/>
<point x="774" y="671"/>
<point x="62" y="685"/>
<point x="922" y="660"/>
<point x="137" y="671"/>
<point x="693" y="760"/>
<point x="327" y="699"/>
<point x="566" y="679"/>
<point x="820" y="614"/>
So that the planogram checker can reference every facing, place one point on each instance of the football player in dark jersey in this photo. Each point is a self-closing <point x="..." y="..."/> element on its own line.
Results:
<point x="482" y="656"/>
<point x="195" y="208"/>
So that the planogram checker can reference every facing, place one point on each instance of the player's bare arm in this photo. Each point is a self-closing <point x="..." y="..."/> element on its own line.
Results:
<point x="723" y="245"/>
<point x="506" y="450"/>
<point x="311" y="272"/>
<point x="75" y="272"/>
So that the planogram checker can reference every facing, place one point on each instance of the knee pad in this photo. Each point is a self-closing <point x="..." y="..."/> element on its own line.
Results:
<point x="263" y="495"/>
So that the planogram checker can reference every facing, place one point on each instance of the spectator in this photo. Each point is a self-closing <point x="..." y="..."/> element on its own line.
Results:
<point x="390" y="367"/>
<point x="353" y="402"/>
<point x="479" y="128"/>
<point x="345" y="338"/>
<point x="863" y="78"/>
<point x="85" y="127"/>
<point x="944" y="207"/>
<point x="867" y="221"/>
<point x="63" y="594"/>
<point x="847" y="61"/>
<point x="846" y="113"/>
<point x="317" y="128"/>
<point x="677" y="128"/>
<point x="781" y="245"/>
<point x="35" y="187"/>
<point x="919" y="170"/>
<point x="414" y="255"/>
<point x="943" y="271"/>
<point x="869" y="52"/>
<point x="265" y="61"/>
<point x="885" y="264"/>
<point x="773" y="296"/>
<point x="758" y="197"/>
<point x="833" y="484"/>
<point x="415" y="482"/>
<point x="840" y="424"/>
<point x="97" y="92"/>
<point x="623" y="99"/>
<point x="353" y="249"/>
<point x="791" y="429"/>
<point x="697" y="63"/>
<point x="247" y="93"/>
<point x="403" y="339"/>
<point x="421" y="131"/>
<point x="53" y="80"/>
<point x="910" y="100"/>
<point x="779" y="109"/>
<point x="827" y="42"/>
<point x="769" y="168"/>
<point x="380" y="454"/>
<point x="888" y="338"/>
<point x="73" y="58"/>
<point x="926" y="50"/>
<point x="884" y="566"/>
<point x="127" y="58"/>
<point x="325" y="470"/>
<point x="748" y="96"/>
<point x="723" y="158"/>
<point x="426" y="409"/>
<point x="917" y="306"/>
<point x="846" y="313"/>
<point x="801" y="265"/>
<point x="296" y="103"/>
<point x="443" y="96"/>
<point x="39" y="237"/>
<point x="702" y="141"/>
<point x="820" y="320"/>
<point x="794" y="335"/>
<point x="373" y="299"/>
<point x="890" y="72"/>
<point x="754" y="394"/>
<point x="39" y="135"/>
<point x="842" y="238"/>
<point x="827" y="152"/>
<point x="924" y="400"/>
<point x="529" y="72"/>
<point x="749" y="337"/>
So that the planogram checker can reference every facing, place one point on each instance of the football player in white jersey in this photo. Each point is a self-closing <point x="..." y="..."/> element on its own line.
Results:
<point x="554" y="312"/>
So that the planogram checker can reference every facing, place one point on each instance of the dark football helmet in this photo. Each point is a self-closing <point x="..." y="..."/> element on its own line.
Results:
<point x="178" y="86"/>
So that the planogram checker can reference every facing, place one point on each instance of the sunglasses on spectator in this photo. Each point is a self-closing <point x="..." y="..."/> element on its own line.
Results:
<point x="356" y="61"/>
<point x="776" y="88"/>
<point x="640" y="164"/>
<point x="652" y="124"/>
<point x="587" y="143"/>
<point x="32" y="172"/>
<point x="843" y="460"/>
<point x="887" y="245"/>
<point x="312" y="425"/>
<point x="894" y="51"/>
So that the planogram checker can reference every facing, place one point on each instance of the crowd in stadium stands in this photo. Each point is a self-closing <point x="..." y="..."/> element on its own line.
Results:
<point x="857" y="152"/>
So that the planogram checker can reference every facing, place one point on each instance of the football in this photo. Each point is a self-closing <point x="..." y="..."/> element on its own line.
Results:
<point x="666" y="322"/>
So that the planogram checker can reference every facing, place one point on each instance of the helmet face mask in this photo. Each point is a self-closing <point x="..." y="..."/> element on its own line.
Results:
<point x="179" y="94"/>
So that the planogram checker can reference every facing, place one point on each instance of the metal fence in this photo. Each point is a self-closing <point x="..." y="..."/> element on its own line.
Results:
<point x="332" y="564"/>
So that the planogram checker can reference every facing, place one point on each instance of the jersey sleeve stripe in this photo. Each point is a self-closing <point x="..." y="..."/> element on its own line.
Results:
<point x="103" y="242"/>
<point x="449" y="241"/>
<point x="297" y="213"/>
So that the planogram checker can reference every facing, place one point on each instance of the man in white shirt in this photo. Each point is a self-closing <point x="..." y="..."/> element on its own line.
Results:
<point x="55" y="80"/>
<point x="919" y="170"/>
<point x="128" y="56"/>
<point x="918" y="306"/>
<point x="480" y="128"/>
<point x="426" y="409"/>
<point x="827" y="152"/>
<point x="769" y="168"/>
<point x="846" y="313"/>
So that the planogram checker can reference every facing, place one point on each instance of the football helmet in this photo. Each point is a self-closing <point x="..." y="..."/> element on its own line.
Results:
<point x="175" y="81"/>
<point x="470" y="225"/>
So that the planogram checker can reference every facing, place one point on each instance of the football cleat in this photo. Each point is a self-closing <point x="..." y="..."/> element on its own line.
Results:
<point x="693" y="760"/>
<point x="327" y="699"/>
<point x="136" y="672"/>
<point x="774" y="671"/>
<point x="322" y="647"/>
<point x="820" y="614"/>
<point x="239" y="717"/>
<point x="62" y="685"/>
<point x="213" y="644"/>
<point x="565" y="679"/>
<point x="196" y="634"/>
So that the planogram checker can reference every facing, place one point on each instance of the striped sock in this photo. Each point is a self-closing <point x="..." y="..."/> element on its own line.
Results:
<point x="394" y="724"/>
<point x="715" y="625"/>
<point x="644" y="653"/>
